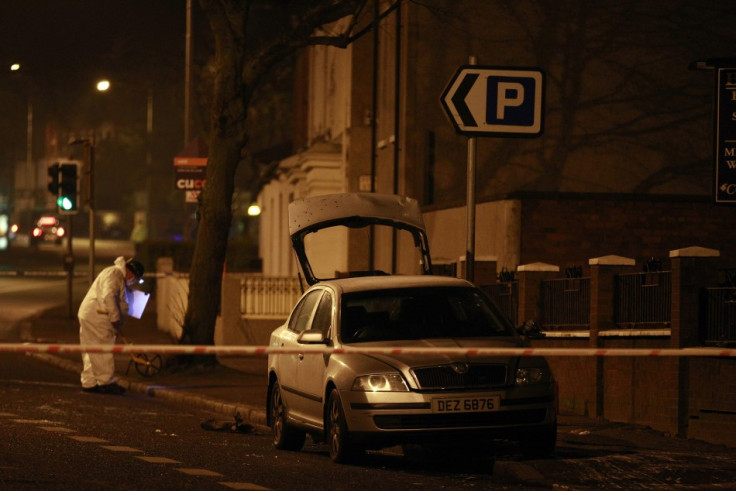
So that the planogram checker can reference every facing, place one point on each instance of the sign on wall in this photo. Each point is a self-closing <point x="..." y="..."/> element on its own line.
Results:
<point x="190" y="174"/>
<point x="725" y="136"/>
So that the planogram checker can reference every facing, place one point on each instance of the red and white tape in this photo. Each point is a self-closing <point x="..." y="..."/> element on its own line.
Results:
<point x="165" y="349"/>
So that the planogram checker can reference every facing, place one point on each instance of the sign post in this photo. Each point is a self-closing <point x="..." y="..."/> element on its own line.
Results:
<point x="491" y="101"/>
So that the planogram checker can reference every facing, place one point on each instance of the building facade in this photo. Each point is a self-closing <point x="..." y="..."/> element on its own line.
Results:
<point x="368" y="118"/>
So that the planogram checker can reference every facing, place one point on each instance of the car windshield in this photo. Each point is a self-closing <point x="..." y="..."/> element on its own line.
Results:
<point x="420" y="313"/>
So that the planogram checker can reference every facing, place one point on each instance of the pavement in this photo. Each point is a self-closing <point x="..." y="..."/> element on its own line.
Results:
<point x="234" y="388"/>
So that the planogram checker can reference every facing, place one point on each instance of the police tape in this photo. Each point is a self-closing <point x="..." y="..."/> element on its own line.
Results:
<point x="166" y="349"/>
<point x="79" y="274"/>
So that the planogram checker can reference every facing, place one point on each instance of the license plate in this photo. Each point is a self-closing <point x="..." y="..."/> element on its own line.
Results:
<point x="465" y="404"/>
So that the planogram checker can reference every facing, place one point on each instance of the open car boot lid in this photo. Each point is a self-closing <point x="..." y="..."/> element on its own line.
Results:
<point x="309" y="215"/>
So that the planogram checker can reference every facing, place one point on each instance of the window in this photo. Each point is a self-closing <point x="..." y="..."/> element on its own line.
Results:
<point x="303" y="312"/>
<point x="323" y="316"/>
<point x="420" y="313"/>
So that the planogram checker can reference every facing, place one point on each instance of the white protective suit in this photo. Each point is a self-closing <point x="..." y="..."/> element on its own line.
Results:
<point x="104" y="305"/>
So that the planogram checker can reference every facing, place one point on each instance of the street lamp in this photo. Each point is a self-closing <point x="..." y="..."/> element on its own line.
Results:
<point x="141" y="228"/>
<point x="30" y="171"/>
<point x="254" y="210"/>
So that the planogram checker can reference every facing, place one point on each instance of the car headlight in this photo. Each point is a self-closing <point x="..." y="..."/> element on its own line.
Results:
<point x="380" y="382"/>
<point x="529" y="375"/>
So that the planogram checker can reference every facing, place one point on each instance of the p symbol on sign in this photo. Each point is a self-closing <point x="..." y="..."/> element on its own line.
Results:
<point x="510" y="100"/>
<point x="510" y="94"/>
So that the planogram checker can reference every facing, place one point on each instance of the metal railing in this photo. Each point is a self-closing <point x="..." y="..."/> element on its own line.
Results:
<point x="268" y="296"/>
<point x="640" y="299"/>
<point x="643" y="299"/>
<point x="506" y="297"/>
<point x="720" y="316"/>
<point x="565" y="303"/>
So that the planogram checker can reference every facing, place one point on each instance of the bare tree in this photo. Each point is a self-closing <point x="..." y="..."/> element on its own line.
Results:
<point x="617" y="85"/>
<point x="244" y="56"/>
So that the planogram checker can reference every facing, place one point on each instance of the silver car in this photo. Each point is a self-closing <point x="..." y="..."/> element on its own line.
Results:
<point x="357" y="401"/>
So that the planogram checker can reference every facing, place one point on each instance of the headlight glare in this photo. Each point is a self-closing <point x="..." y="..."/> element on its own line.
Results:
<point x="380" y="382"/>
<point x="528" y="376"/>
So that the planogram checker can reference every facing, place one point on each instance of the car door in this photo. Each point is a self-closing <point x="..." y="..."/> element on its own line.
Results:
<point x="288" y="363"/>
<point x="311" y="368"/>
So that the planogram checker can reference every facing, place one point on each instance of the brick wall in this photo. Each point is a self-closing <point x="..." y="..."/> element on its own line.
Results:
<point x="567" y="229"/>
<point x="575" y="377"/>
<point x="683" y="396"/>
<point x="712" y="408"/>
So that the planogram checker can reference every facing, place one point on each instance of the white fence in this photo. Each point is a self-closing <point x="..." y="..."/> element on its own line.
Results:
<point x="268" y="296"/>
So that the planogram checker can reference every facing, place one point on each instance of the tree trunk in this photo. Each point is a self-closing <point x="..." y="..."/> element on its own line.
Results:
<point x="226" y="142"/>
<point x="237" y="74"/>
<point x="205" y="276"/>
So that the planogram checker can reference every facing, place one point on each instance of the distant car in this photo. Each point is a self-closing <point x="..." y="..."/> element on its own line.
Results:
<point x="447" y="400"/>
<point x="48" y="229"/>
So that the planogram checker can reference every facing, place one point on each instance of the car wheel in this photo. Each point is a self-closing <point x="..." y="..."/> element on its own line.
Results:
<point x="285" y="437"/>
<point x="342" y="449"/>
<point x="541" y="444"/>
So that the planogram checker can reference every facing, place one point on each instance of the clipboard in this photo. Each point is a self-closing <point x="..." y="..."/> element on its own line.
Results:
<point x="137" y="302"/>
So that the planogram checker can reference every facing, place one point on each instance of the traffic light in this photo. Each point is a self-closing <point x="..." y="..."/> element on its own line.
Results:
<point x="54" y="179"/>
<point x="68" y="197"/>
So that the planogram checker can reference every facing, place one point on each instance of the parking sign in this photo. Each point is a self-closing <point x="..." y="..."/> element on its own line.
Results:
<point x="488" y="101"/>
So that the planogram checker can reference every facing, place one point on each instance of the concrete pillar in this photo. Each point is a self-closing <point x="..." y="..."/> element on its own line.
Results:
<point x="692" y="270"/>
<point x="228" y="328"/>
<point x="485" y="269"/>
<point x="164" y="265"/>
<point x="530" y="276"/>
<point x="603" y="271"/>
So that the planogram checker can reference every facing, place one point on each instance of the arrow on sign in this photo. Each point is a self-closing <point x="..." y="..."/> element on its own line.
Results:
<point x="495" y="101"/>
<point x="458" y="100"/>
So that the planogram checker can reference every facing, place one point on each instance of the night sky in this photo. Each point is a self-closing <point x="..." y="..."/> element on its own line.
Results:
<point x="78" y="40"/>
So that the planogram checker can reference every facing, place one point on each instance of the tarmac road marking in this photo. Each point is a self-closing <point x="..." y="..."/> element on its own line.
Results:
<point x="88" y="439"/>
<point x="120" y="448"/>
<point x="57" y="429"/>
<point x="243" y="485"/>
<point x="198" y="472"/>
<point x="44" y="425"/>
<point x="158" y="460"/>
<point x="34" y="421"/>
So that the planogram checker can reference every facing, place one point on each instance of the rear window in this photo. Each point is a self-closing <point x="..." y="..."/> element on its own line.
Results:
<point x="420" y="313"/>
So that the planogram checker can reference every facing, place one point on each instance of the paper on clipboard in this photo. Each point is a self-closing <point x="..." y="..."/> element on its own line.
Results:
<point x="137" y="303"/>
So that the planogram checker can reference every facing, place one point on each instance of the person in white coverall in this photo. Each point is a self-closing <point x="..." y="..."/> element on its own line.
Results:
<point x="101" y="317"/>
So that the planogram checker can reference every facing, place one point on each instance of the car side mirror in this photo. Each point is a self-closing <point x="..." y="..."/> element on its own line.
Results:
<point x="312" y="336"/>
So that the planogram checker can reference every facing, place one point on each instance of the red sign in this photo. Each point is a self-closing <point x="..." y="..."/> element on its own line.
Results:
<point x="190" y="173"/>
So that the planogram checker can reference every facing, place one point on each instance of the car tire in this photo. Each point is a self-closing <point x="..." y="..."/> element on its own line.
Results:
<point x="541" y="444"/>
<point x="285" y="437"/>
<point x="342" y="448"/>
